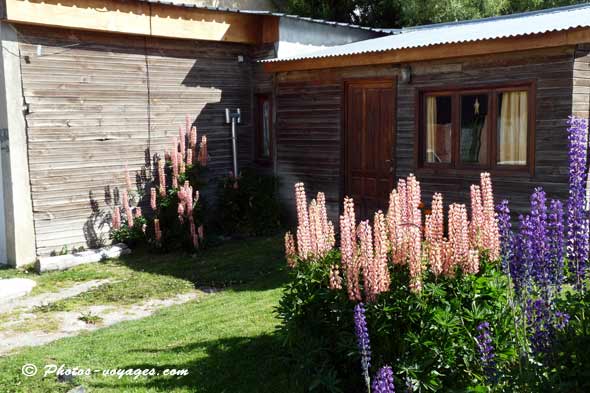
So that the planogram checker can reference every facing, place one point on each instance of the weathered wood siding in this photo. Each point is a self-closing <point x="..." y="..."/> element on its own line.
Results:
<point x="309" y="113"/>
<point x="308" y="118"/>
<point x="581" y="80"/>
<point x="550" y="69"/>
<point x="98" y="102"/>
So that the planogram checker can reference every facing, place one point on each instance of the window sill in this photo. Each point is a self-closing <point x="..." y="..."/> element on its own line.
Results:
<point x="453" y="172"/>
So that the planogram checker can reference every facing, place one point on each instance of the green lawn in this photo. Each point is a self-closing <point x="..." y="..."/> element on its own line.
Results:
<point x="225" y="340"/>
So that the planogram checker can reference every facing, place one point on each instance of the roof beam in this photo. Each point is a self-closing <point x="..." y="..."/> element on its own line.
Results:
<point x="143" y="18"/>
<point x="437" y="52"/>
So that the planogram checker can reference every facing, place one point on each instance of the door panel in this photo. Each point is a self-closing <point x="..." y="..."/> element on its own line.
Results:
<point x="369" y="138"/>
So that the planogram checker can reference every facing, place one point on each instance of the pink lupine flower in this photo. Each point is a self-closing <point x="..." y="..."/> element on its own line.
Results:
<point x="303" y="228"/>
<point x="434" y="229"/>
<point x="153" y="199"/>
<point x="195" y="238"/>
<point x="350" y="261"/>
<point x="415" y="257"/>
<point x="314" y="236"/>
<point x="370" y="275"/>
<point x="201" y="232"/>
<point x="476" y="226"/>
<point x="335" y="278"/>
<point x="459" y="233"/>
<point x="472" y="264"/>
<point x="435" y="254"/>
<point x="182" y="141"/>
<point x="290" y="251"/>
<point x="203" y="152"/>
<point x="128" y="179"/>
<point x="381" y="247"/>
<point x="157" y="230"/>
<point x="137" y="212"/>
<point x="491" y="233"/>
<point x="197" y="195"/>
<point x="180" y="211"/>
<point x="116" y="220"/>
<point x="413" y="201"/>
<point x="162" y="178"/>
<point x="394" y="226"/>
<point x="189" y="156"/>
<point x="193" y="137"/>
<point x="167" y="156"/>
<point x="174" y="170"/>
<point x="181" y="163"/>
<point x="127" y="208"/>
<point x="448" y="262"/>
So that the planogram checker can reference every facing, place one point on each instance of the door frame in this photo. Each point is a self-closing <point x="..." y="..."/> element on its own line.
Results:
<point x="344" y="167"/>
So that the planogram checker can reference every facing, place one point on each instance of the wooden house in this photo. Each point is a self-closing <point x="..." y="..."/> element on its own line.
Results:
<point x="89" y="87"/>
<point x="444" y="102"/>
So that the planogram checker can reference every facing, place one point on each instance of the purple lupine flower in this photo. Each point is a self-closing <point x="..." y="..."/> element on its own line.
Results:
<point x="561" y="320"/>
<point x="577" y="218"/>
<point x="364" y="344"/>
<point x="486" y="351"/>
<point x="543" y="323"/>
<point x="525" y="255"/>
<point x="383" y="381"/>
<point x="540" y="264"/>
<point x="556" y="243"/>
<point x="506" y="236"/>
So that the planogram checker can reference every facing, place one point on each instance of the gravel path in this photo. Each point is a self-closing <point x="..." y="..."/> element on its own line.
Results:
<point x="70" y="324"/>
<point x="28" y="303"/>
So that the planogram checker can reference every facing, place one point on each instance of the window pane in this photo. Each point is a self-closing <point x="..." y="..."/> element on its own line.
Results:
<point x="512" y="127"/>
<point x="266" y="129"/>
<point x="438" y="129"/>
<point x="474" y="128"/>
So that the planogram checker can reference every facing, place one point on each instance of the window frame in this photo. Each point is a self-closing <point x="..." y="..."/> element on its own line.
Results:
<point x="456" y="166"/>
<point x="259" y="141"/>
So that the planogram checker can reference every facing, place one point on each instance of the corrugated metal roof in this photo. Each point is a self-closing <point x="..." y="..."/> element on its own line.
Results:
<point x="536" y="22"/>
<point x="262" y="12"/>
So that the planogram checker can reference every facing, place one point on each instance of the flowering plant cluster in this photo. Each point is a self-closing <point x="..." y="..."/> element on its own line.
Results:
<point x="471" y="303"/>
<point x="174" y="201"/>
<point x="399" y="237"/>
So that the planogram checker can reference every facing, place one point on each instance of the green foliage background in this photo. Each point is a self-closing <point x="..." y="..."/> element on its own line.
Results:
<point x="404" y="13"/>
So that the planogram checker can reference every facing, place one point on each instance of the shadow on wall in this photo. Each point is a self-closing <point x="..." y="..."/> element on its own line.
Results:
<point x="211" y="85"/>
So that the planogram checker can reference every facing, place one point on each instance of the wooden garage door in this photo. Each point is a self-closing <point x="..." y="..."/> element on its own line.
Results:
<point x="370" y="136"/>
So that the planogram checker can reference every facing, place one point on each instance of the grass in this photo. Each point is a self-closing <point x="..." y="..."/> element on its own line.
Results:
<point x="226" y="340"/>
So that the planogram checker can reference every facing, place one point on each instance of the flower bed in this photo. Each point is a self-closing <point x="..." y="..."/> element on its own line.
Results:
<point x="466" y="304"/>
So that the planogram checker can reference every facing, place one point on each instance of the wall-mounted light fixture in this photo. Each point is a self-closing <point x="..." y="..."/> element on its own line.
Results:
<point x="405" y="74"/>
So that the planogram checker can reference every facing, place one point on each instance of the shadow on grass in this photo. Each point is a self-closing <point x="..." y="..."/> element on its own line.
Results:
<point x="253" y="264"/>
<point x="237" y="364"/>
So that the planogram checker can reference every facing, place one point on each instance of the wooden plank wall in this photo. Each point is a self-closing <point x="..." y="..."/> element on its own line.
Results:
<point x="310" y="109"/>
<point x="98" y="102"/>
<point x="581" y="81"/>
<point x="552" y="71"/>
<point x="308" y="118"/>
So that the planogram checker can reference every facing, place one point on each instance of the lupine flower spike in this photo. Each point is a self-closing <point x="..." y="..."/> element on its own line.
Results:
<point x="383" y="381"/>
<point x="577" y="221"/>
<point x="486" y="351"/>
<point x="364" y="345"/>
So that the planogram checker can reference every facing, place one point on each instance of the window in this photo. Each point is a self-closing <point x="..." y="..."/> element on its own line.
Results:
<point x="263" y="128"/>
<point x="477" y="129"/>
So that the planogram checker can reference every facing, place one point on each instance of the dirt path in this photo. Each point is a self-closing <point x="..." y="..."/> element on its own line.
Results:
<point x="32" y="329"/>
<point x="28" y="303"/>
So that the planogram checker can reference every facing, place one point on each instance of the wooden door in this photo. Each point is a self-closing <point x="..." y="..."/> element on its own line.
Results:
<point x="369" y="144"/>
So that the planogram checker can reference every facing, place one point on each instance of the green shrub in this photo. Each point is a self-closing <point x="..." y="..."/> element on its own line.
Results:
<point x="429" y="336"/>
<point x="249" y="204"/>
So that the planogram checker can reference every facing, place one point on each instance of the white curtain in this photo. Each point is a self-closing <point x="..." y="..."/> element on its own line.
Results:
<point x="512" y="141"/>
<point x="431" y="125"/>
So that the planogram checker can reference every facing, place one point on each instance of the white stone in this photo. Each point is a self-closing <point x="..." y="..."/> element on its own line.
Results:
<point x="11" y="288"/>
<point x="63" y="262"/>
